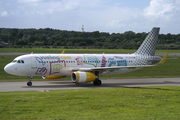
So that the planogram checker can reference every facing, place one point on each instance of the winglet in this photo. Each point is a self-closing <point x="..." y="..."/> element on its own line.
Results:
<point x="164" y="59"/>
<point x="63" y="52"/>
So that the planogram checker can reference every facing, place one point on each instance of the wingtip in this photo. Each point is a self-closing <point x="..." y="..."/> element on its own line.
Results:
<point x="164" y="58"/>
<point x="63" y="52"/>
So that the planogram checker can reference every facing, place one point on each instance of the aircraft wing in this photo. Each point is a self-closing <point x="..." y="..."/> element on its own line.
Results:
<point x="109" y="68"/>
<point x="102" y="69"/>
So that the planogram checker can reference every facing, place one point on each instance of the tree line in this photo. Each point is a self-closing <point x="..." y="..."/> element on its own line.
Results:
<point x="48" y="37"/>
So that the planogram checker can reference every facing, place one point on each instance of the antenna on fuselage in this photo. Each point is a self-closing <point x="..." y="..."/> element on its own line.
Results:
<point x="31" y="52"/>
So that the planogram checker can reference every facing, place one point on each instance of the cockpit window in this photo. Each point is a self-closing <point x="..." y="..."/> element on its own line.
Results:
<point x="22" y="61"/>
<point x="18" y="61"/>
<point x="14" y="61"/>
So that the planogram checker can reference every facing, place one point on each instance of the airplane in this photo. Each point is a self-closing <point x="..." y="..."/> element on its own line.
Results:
<point x="86" y="67"/>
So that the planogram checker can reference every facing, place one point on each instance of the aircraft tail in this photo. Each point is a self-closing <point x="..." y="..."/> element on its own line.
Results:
<point x="148" y="47"/>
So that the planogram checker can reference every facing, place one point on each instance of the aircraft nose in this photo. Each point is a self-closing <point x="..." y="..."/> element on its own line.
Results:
<point x="8" y="69"/>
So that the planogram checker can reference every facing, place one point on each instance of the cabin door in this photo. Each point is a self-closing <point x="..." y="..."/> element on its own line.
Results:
<point x="33" y="63"/>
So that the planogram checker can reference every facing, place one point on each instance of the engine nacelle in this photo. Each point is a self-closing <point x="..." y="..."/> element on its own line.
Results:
<point x="52" y="77"/>
<point x="81" y="77"/>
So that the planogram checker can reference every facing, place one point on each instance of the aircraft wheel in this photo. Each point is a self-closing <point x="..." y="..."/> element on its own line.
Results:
<point x="97" y="82"/>
<point x="29" y="83"/>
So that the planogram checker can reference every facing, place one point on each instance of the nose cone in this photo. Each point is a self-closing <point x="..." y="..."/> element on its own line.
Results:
<point x="14" y="69"/>
<point x="8" y="69"/>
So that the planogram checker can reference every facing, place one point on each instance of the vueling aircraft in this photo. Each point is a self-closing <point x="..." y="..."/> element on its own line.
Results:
<point x="86" y="67"/>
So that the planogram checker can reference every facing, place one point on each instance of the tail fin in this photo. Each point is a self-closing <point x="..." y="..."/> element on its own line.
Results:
<point x="148" y="47"/>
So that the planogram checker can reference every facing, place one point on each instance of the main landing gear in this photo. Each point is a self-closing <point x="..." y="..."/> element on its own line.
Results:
<point x="29" y="83"/>
<point x="97" y="82"/>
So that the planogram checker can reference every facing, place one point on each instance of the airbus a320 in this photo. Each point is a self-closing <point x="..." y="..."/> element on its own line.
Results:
<point x="86" y="67"/>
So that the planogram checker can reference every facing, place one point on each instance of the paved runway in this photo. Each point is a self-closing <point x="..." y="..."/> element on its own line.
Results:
<point x="59" y="85"/>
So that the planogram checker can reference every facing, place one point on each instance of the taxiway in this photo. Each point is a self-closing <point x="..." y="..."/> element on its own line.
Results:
<point x="108" y="83"/>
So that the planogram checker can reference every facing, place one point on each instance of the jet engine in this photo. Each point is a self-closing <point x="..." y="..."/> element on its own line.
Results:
<point x="52" y="77"/>
<point x="81" y="77"/>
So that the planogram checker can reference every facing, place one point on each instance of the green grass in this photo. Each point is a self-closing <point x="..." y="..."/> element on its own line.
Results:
<point x="136" y="103"/>
<point x="56" y="50"/>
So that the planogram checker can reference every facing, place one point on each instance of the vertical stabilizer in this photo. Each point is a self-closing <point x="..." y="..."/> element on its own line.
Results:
<point x="148" y="47"/>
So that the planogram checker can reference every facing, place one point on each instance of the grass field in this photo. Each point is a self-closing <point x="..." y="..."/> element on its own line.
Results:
<point x="136" y="103"/>
<point x="56" y="50"/>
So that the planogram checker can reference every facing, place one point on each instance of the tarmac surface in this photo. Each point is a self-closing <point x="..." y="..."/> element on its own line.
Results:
<point x="45" y="86"/>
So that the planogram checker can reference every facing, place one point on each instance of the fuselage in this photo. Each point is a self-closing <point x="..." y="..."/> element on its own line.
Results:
<point x="62" y="64"/>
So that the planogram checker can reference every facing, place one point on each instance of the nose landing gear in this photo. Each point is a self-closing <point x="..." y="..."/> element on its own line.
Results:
<point x="29" y="83"/>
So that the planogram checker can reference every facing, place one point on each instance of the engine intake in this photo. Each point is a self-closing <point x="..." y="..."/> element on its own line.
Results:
<point x="81" y="77"/>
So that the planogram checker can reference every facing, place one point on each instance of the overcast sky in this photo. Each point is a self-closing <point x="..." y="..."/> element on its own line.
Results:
<point x="113" y="16"/>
